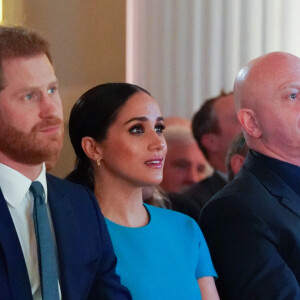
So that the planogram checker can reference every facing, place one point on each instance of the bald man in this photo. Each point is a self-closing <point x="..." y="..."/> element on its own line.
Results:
<point x="252" y="226"/>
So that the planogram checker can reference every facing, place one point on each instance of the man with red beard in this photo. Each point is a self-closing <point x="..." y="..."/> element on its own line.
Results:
<point x="32" y="133"/>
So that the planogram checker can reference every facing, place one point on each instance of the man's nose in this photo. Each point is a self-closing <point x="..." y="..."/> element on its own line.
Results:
<point x="50" y="106"/>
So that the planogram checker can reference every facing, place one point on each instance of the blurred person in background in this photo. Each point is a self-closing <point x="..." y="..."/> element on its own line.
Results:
<point x="236" y="155"/>
<point x="185" y="164"/>
<point x="214" y="126"/>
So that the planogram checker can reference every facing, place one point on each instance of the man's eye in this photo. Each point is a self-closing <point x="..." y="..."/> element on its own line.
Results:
<point x="52" y="90"/>
<point x="28" y="96"/>
<point x="137" y="129"/>
<point x="160" y="128"/>
<point x="181" y="164"/>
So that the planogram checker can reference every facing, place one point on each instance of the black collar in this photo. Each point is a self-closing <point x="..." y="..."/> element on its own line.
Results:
<point x="289" y="173"/>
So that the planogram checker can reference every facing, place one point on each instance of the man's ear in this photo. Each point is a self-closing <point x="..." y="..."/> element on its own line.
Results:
<point x="236" y="162"/>
<point x="210" y="142"/>
<point x="247" y="118"/>
<point x="91" y="148"/>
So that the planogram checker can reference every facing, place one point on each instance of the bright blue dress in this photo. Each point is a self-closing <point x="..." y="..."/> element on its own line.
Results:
<point x="163" y="259"/>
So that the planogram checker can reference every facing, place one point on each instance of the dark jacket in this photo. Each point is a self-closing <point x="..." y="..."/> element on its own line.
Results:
<point x="252" y="228"/>
<point x="192" y="201"/>
<point x="85" y="254"/>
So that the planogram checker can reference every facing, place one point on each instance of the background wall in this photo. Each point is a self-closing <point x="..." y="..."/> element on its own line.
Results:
<point x="184" y="52"/>
<point x="181" y="51"/>
<point x="87" y="44"/>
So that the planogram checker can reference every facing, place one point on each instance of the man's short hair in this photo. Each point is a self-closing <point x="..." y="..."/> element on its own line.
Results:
<point x="237" y="146"/>
<point x="16" y="41"/>
<point x="205" y="120"/>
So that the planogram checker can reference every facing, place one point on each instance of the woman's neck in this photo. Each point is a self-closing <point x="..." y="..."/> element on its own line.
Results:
<point x="121" y="203"/>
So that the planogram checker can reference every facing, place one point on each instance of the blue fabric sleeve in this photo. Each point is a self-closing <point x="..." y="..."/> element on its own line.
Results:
<point x="205" y="266"/>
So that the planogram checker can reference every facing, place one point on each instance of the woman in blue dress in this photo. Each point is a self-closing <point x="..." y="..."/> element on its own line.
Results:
<point x="117" y="132"/>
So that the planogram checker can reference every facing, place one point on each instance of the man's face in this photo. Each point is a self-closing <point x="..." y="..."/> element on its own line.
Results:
<point x="30" y="111"/>
<point x="229" y="126"/>
<point x="277" y="106"/>
<point x="184" y="166"/>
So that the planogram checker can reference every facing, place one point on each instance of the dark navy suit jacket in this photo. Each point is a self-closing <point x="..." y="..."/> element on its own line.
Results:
<point x="252" y="228"/>
<point x="192" y="200"/>
<point x="85" y="254"/>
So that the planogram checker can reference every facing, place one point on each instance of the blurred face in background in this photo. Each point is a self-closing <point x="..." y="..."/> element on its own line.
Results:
<point x="184" y="166"/>
<point x="229" y="125"/>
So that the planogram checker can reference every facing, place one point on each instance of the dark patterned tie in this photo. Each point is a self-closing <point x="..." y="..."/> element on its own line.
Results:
<point x="45" y="245"/>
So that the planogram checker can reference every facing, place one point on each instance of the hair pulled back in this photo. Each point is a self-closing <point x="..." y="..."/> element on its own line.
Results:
<point x="92" y="115"/>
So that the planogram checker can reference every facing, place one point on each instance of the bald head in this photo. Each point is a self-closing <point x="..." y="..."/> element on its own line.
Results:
<point x="267" y="99"/>
<point x="259" y="77"/>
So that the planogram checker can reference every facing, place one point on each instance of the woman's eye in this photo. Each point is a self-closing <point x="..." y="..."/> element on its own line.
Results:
<point x="137" y="129"/>
<point x="160" y="128"/>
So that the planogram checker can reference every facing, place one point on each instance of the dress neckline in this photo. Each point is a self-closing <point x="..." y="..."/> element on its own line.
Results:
<point x="147" y="207"/>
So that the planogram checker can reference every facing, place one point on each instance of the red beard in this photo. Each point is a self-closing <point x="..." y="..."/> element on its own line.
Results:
<point x="34" y="147"/>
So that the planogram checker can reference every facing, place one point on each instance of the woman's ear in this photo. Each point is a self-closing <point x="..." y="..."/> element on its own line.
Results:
<point x="91" y="148"/>
<point x="247" y="118"/>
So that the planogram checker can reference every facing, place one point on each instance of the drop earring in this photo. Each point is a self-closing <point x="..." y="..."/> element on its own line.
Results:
<point x="98" y="162"/>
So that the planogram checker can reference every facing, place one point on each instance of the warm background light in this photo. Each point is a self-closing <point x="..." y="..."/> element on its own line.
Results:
<point x="1" y="17"/>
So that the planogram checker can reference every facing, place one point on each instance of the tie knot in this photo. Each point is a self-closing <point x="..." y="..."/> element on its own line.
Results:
<point x="37" y="189"/>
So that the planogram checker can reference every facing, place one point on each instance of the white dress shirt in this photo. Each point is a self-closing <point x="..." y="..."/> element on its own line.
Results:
<point x="15" y="188"/>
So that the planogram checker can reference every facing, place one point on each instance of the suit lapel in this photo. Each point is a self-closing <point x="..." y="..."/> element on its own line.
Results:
<point x="216" y="183"/>
<point x="67" y="236"/>
<point x="274" y="184"/>
<point x="14" y="259"/>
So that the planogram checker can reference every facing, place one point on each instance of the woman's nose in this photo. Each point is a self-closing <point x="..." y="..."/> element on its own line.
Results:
<point x="158" y="143"/>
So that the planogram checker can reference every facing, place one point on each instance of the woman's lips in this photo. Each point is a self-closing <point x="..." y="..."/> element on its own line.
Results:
<point x="156" y="163"/>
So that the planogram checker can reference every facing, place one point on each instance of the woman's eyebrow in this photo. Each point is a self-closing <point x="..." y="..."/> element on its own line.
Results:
<point x="142" y="119"/>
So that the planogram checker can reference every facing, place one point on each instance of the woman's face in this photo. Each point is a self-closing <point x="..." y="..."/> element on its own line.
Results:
<point x="134" y="149"/>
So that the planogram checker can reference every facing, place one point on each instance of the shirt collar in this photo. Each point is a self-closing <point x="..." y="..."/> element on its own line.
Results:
<point x="15" y="185"/>
<point x="223" y="175"/>
<point x="287" y="172"/>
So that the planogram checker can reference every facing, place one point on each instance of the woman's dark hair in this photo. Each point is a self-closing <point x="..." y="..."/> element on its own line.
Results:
<point x="92" y="115"/>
